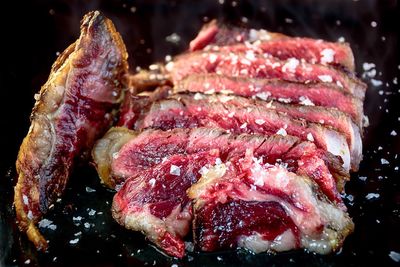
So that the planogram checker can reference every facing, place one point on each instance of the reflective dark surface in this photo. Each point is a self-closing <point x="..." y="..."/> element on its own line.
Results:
<point x="32" y="34"/>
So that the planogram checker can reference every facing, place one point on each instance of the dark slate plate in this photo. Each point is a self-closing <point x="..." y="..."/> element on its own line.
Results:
<point x="33" y="33"/>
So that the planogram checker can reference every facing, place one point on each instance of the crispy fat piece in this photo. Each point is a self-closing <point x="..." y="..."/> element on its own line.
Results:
<point x="75" y="107"/>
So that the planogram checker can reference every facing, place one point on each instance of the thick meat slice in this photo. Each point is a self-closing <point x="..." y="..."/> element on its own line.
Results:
<point x="189" y="112"/>
<point x="74" y="108"/>
<point x="261" y="66"/>
<point x="150" y="147"/>
<point x="155" y="201"/>
<point x="296" y="214"/>
<point x="318" y="94"/>
<point x="235" y="40"/>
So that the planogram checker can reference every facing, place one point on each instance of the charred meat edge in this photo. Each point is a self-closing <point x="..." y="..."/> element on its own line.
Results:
<point x="85" y="77"/>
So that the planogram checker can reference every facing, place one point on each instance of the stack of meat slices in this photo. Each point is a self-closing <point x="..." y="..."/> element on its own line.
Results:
<point x="247" y="141"/>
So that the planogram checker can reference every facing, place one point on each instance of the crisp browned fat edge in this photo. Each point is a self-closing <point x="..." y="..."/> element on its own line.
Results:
<point x="104" y="150"/>
<point x="35" y="150"/>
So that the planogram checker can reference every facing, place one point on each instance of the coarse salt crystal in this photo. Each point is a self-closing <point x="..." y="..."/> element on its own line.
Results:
<point x="282" y="132"/>
<point x="325" y="78"/>
<point x="25" y="199"/>
<point x="218" y="161"/>
<point x="291" y="65"/>
<point x="327" y="55"/>
<point x="169" y="66"/>
<point x="263" y="95"/>
<point x="89" y="189"/>
<point x="384" y="161"/>
<point x="91" y="212"/>
<point x="376" y="82"/>
<point x="152" y="182"/>
<point x="74" y="241"/>
<point x="244" y="125"/>
<point x="368" y="66"/>
<point x="198" y="96"/>
<point x="372" y="195"/>
<point x="260" y="121"/>
<point x="175" y="170"/>
<point x="212" y="58"/>
<point x="310" y="137"/>
<point x="393" y="133"/>
<point x="395" y="256"/>
<point x="306" y="101"/>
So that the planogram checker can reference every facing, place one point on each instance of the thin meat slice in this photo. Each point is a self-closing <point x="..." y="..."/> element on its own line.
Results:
<point x="261" y="66"/>
<point x="183" y="112"/>
<point x="296" y="214"/>
<point x="216" y="37"/>
<point x="318" y="94"/>
<point x="155" y="202"/>
<point x="75" y="107"/>
<point x="327" y="117"/>
<point x="151" y="147"/>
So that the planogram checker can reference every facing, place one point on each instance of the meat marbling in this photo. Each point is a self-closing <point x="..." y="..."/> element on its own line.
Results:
<point x="75" y="107"/>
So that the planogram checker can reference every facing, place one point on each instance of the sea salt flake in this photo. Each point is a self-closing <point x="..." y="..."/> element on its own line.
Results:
<point x="306" y="101"/>
<point x="325" y="78"/>
<point x="243" y="126"/>
<point x="368" y="66"/>
<point x="28" y="261"/>
<point x="198" y="96"/>
<point x="384" y="161"/>
<point x="91" y="212"/>
<point x="74" y="241"/>
<point x="152" y="182"/>
<point x="45" y="223"/>
<point x="372" y="196"/>
<point x="25" y="199"/>
<point x="263" y="95"/>
<point x="327" y="55"/>
<point x="89" y="189"/>
<point x="78" y="218"/>
<point x="395" y="256"/>
<point x="362" y="178"/>
<point x="175" y="170"/>
<point x="212" y="58"/>
<point x="291" y="65"/>
<point x="87" y="225"/>
<point x="310" y="137"/>
<point x="282" y="132"/>
<point x="173" y="38"/>
<point x="260" y="121"/>
<point x="393" y="133"/>
<point x="376" y="83"/>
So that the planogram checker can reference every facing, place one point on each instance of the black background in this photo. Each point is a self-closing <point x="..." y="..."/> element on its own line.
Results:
<point x="33" y="32"/>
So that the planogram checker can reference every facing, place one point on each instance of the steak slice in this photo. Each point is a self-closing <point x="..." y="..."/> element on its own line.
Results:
<point x="151" y="147"/>
<point x="261" y="66"/>
<point x="155" y="201"/>
<point x="216" y="37"/>
<point x="75" y="107"/>
<point x="190" y="112"/>
<point x="230" y="198"/>
<point x="318" y="94"/>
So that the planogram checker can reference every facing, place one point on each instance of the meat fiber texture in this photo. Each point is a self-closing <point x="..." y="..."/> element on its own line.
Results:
<point x="158" y="167"/>
<point x="247" y="140"/>
<point x="74" y="108"/>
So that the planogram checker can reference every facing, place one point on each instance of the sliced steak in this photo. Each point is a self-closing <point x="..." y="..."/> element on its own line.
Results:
<point x="216" y="37"/>
<point x="189" y="112"/>
<point x="230" y="198"/>
<point x="74" y="108"/>
<point x="151" y="147"/>
<point x="155" y="201"/>
<point x="318" y="94"/>
<point x="261" y="66"/>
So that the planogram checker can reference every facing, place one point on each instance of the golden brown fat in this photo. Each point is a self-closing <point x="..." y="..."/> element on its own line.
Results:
<point x="105" y="148"/>
<point x="35" y="153"/>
